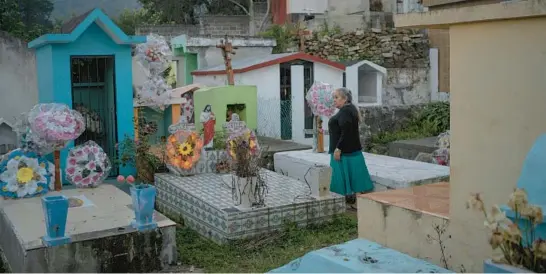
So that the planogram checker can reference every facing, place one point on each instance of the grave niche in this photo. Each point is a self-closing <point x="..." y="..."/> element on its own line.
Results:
<point x="365" y="80"/>
<point x="239" y="109"/>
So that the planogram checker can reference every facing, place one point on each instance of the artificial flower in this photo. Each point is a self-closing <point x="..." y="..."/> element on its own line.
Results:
<point x="24" y="174"/>
<point x="185" y="149"/>
<point x="518" y="199"/>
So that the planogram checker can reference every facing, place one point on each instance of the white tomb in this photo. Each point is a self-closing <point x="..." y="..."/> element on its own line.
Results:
<point x="386" y="172"/>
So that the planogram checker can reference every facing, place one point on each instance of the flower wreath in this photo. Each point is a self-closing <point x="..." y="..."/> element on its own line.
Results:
<point x="184" y="150"/>
<point x="24" y="174"/>
<point x="87" y="165"/>
<point x="247" y="137"/>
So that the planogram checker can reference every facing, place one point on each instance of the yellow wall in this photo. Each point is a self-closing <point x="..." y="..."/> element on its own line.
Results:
<point x="498" y="107"/>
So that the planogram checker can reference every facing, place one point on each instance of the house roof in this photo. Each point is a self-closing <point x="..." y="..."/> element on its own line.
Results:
<point x="75" y="27"/>
<point x="253" y="63"/>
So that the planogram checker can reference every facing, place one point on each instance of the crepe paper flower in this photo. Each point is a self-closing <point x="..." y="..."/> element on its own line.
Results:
<point x="87" y="165"/>
<point x="56" y="122"/>
<point x="320" y="99"/>
<point x="24" y="174"/>
<point x="120" y="179"/>
<point x="184" y="149"/>
<point x="130" y="179"/>
<point x="245" y="138"/>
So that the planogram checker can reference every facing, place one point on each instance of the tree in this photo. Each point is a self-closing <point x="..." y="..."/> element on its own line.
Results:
<point x="188" y="11"/>
<point x="129" y="20"/>
<point x="26" y="19"/>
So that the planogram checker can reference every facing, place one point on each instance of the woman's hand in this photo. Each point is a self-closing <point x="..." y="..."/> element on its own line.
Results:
<point x="337" y="154"/>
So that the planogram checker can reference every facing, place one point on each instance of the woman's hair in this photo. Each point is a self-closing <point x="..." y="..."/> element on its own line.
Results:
<point x="207" y="108"/>
<point x="348" y="96"/>
<point x="346" y="93"/>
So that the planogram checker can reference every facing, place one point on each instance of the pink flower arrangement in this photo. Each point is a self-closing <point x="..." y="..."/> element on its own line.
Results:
<point x="56" y="122"/>
<point x="87" y="165"/>
<point x="321" y="100"/>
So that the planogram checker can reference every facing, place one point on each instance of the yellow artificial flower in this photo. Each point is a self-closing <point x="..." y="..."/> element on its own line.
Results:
<point x="185" y="149"/>
<point x="25" y="175"/>
<point x="252" y="144"/>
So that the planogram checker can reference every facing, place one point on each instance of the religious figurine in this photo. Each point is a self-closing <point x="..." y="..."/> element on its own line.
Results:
<point x="209" y="121"/>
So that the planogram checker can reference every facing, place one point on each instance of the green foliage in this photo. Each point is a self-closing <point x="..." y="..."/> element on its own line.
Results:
<point x="26" y="19"/>
<point x="326" y="29"/>
<point x="185" y="11"/>
<point x="285" y="35"/>
<point x="434" y="118"/>
<point x="129" y="20"/>
<point x="264" y="253"/>
<point x="431" y="120"/>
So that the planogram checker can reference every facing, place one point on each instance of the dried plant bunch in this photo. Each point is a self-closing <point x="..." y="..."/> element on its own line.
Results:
<point x="514" y="242"/>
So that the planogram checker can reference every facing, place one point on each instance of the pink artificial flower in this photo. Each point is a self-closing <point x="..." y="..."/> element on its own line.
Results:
<point x="130" y="179"/>
<point x="86" y="181"/>
<point x="96" y="178"/>
<point x="70" y="170"/>
<point x="79" y="153"/>
<point x="95" y="150"/>
<point x="91" y="165"/>
<point x="72" y="161"/>
<point x="86" y="150"/>
<point x="120" y="179"/>
<point x="77" y="178"/>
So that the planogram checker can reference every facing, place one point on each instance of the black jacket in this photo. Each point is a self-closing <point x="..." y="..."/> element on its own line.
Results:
<point x="343" y="130"/>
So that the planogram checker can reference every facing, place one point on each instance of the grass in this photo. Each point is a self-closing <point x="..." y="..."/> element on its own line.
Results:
<point x="265" y="253"/>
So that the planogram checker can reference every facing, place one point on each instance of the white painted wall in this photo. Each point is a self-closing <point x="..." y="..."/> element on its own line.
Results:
<point x="267" y="81"/>
<point x="298" y="103"/>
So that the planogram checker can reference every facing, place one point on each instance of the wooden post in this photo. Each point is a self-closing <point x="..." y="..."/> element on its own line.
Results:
<point x="320" y="136"/>
<point x="301" y="34"/>
<point x="135" y="114"/>
<point x="227" y="50"/>
<point x="57" y="160"/>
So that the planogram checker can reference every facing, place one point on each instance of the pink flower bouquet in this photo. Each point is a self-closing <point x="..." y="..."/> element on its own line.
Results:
<point x="87" y="165"/>
<point x="320" y="98"/>
<point x="56" y="122"/>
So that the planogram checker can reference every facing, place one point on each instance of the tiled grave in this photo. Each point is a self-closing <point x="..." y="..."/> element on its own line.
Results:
<point x="205" y="204"/>
<point x="386" y="172"/>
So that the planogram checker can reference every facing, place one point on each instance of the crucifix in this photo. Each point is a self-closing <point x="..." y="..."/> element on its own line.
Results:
<point x="227" y="50"/>
<point x="301" y="34"/>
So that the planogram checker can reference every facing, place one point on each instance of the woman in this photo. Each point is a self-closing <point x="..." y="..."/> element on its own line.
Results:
<point x="349" y="172"/>
<point x="209" y="121"/>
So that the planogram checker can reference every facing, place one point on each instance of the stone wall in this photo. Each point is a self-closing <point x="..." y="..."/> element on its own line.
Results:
<point x="213" y="25"/>
<point x="384" y="118"/>
<point x="389" y="48"/>
<point x="406" y="86"/>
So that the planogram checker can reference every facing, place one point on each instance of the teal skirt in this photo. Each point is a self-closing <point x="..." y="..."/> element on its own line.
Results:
<point x="350" y="174"/>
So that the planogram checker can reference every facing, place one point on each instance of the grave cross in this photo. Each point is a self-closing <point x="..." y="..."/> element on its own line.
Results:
<point x="227" y="50"/>
<point x="301" y="34"/>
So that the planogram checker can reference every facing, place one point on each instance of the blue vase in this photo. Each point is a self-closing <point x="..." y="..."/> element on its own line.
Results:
<point x="143" y="204"/>
<point x="55" y="214"/>
<point x="491" y="267"/>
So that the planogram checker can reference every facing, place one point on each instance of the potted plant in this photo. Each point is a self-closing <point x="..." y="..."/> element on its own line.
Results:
<point x="143" y="197"/>
<point x="248" y="187"/>
<point x="140" y="154"/>
<point x="514" y="240"/>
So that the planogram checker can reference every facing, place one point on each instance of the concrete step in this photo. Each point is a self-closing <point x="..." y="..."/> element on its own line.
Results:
<point x="358" y="256"/>
<point x="386" y="172"/>
<point x="402" y="219"/>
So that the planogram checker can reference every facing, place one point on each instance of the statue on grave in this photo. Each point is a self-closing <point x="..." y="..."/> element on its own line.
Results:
<point x="208" y="120"/>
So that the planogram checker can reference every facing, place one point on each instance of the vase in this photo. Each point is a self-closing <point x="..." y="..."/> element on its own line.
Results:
<point x="491" y="267"/>
<point x="143" y="197"/>
<point x="244" y="191"/>
<point x="55" y="215"/>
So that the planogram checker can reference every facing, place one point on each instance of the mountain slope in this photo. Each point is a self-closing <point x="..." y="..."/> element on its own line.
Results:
<point x="65" y="9"/>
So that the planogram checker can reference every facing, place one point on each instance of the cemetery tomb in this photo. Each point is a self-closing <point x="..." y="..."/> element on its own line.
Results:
<point x="99" y="222"/>
<point x="386" y="172"/>
<point x="205" y="203"/>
